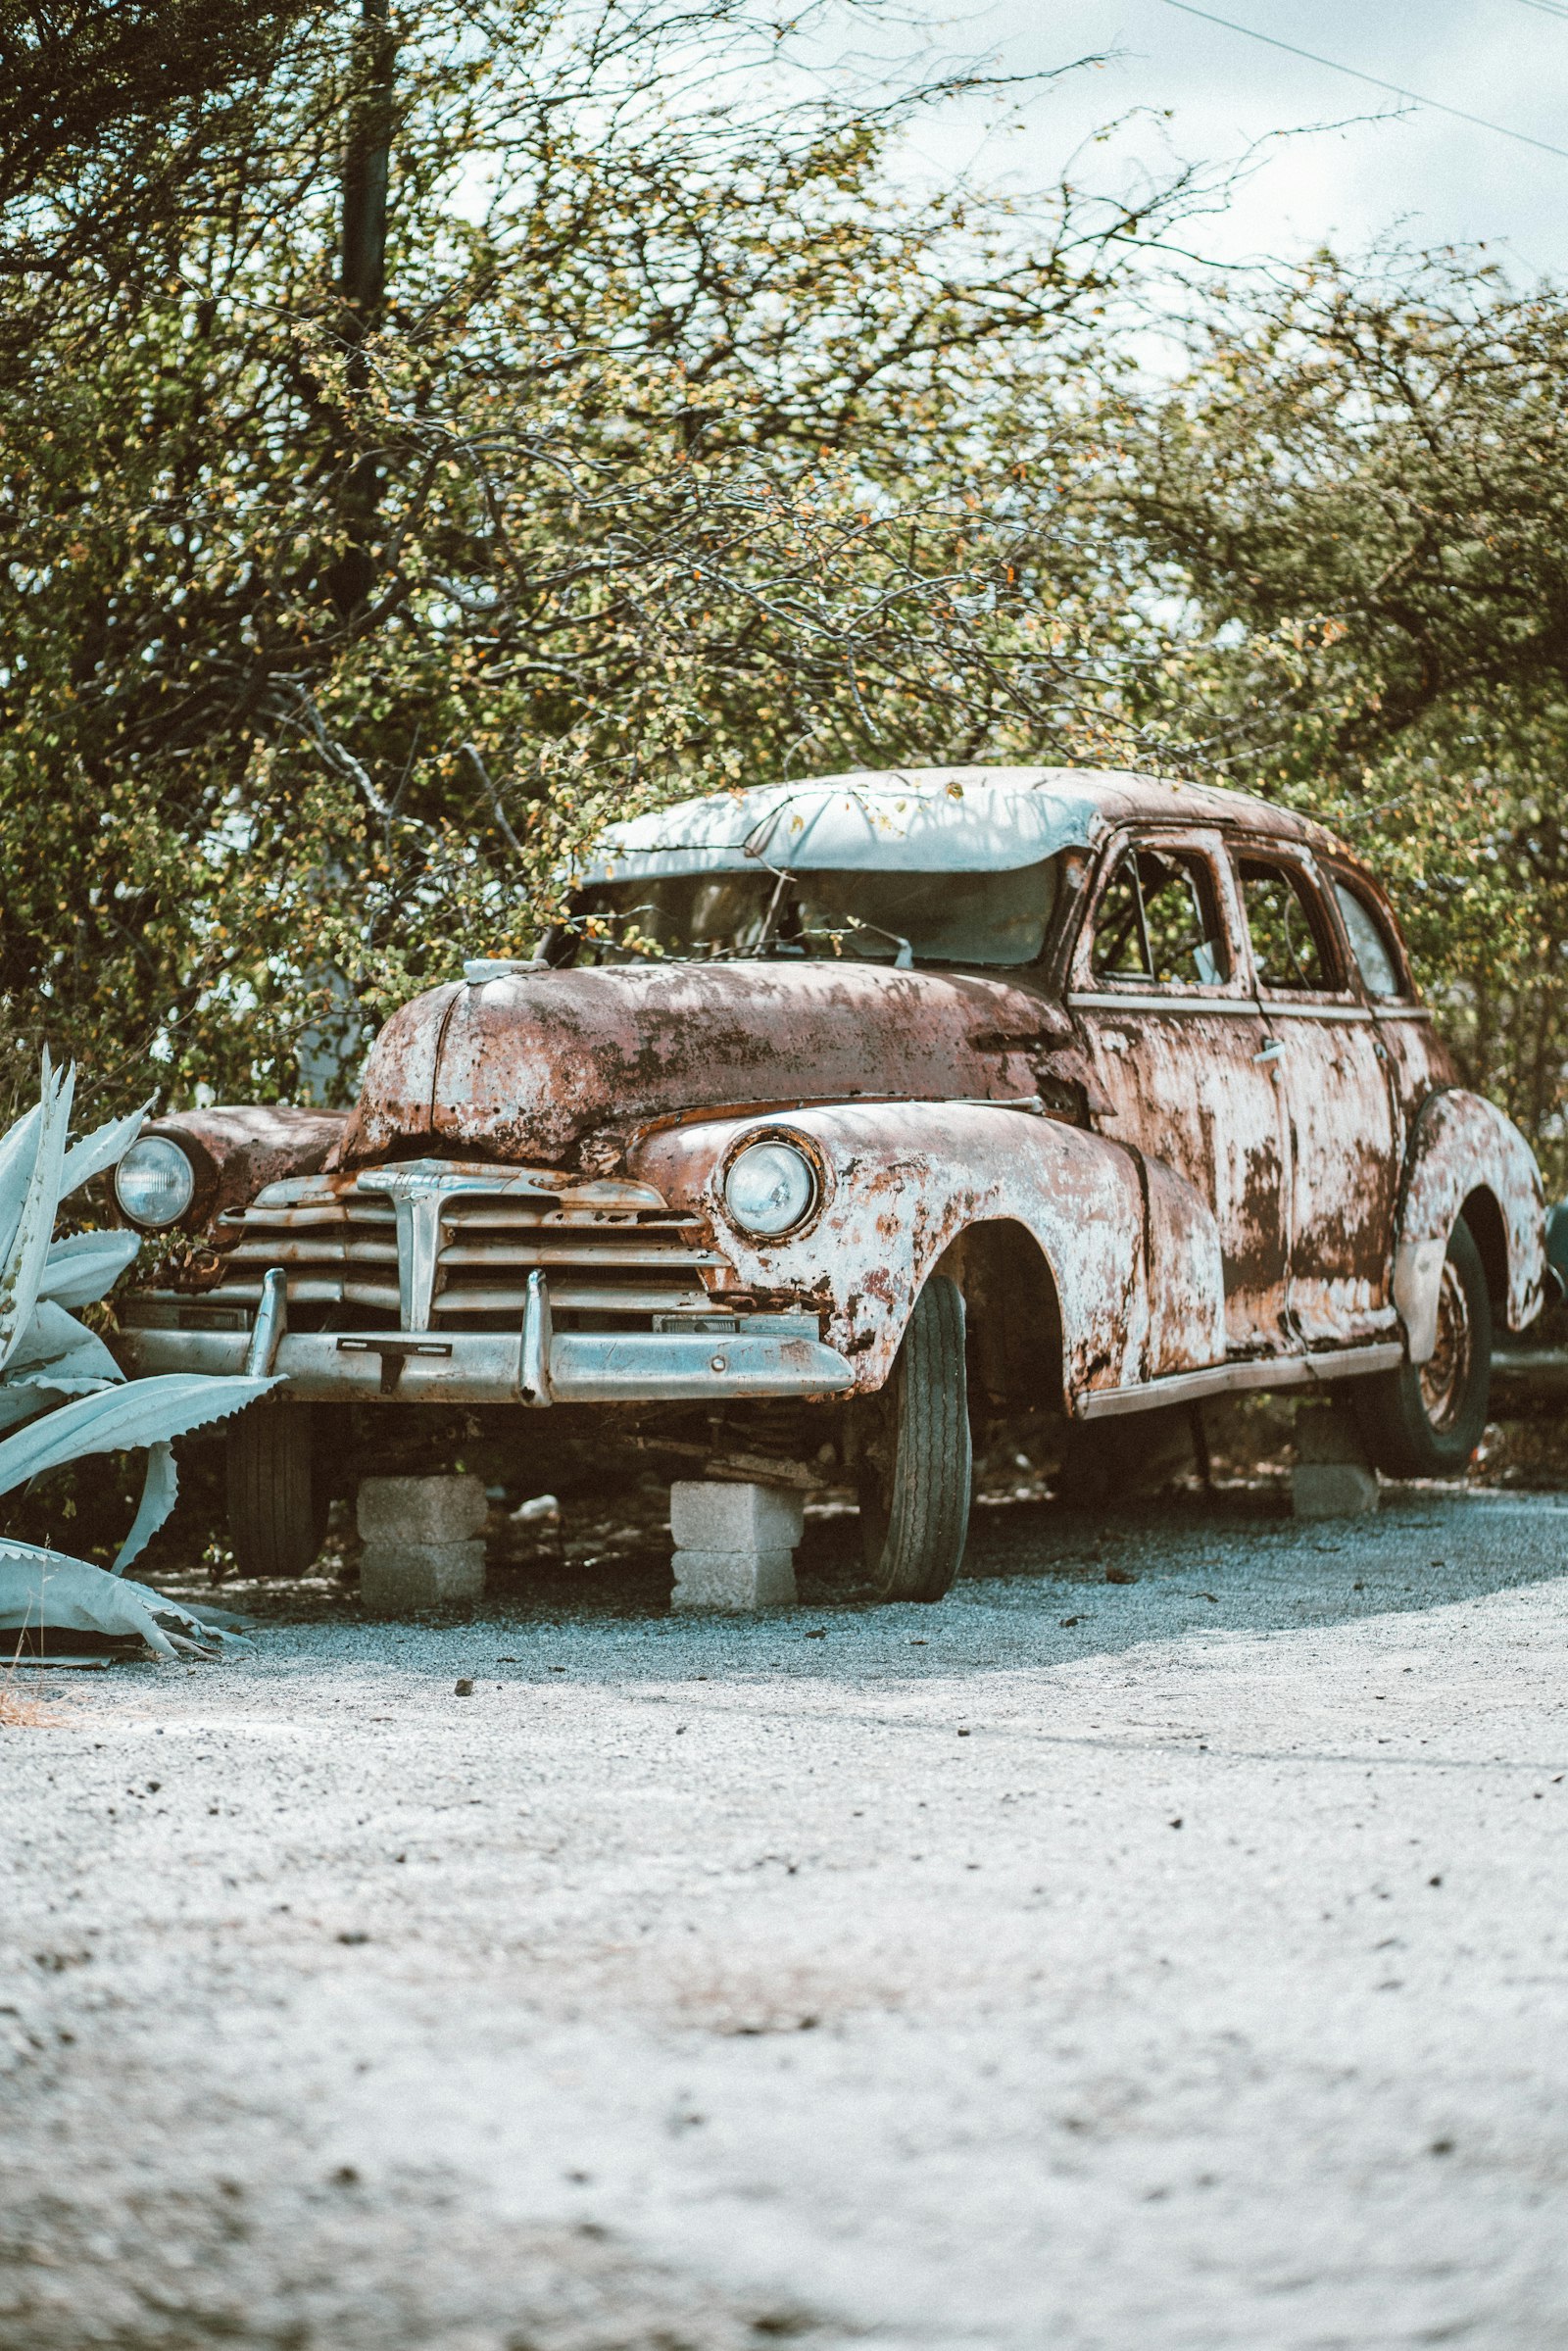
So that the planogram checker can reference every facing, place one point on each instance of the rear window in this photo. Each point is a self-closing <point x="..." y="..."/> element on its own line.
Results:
<point x="861" y="917"/>
<point x="1370" y="944"/>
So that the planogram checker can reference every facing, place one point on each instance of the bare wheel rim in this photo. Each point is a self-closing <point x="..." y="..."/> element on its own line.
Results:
<point x="1446" y="1374"/>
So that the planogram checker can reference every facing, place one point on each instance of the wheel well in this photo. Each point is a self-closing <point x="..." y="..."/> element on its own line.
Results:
<point x="1013" y="1314"/>
<point x="1488" y="1231"/>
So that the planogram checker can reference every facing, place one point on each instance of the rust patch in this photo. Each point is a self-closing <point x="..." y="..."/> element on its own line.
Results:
<point x="531" y="1066"/>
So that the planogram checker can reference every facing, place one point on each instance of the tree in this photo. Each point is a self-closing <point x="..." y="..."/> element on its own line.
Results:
<point x="665" y="454"/>
<point x="1358" y="504"/>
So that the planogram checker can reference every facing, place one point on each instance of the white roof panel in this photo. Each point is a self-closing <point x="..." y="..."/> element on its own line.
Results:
<point x="908" y="820"/>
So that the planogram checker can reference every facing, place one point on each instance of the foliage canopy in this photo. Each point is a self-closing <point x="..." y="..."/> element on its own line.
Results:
<point x="674" y="442"/>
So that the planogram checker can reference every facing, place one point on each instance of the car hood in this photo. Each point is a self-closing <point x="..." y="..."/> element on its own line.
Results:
<point x="541" y="1066"/>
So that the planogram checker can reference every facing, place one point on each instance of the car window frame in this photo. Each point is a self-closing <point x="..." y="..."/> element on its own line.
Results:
<point x="1346" y="995"/>
<point x="1375" y="901"/>
<point x="1125" y="989"/>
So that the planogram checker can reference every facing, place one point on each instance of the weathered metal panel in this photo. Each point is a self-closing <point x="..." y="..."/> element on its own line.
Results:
<point x="401" y="1075"/>
<point x="902" y="1182"/>
<point x="236" y="1150"/>
<point x="430" y="1239"/>
<point x="1185" y="1085"/>
<point x="1463" y="1144"/>
<point x="920" y="820"/>
<point x="488" y="1367"/>
<point x="1345" y="1169"/>
<point x="535" y="1066"/>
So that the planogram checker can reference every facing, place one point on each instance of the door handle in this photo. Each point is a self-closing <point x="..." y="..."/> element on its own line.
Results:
<point x="1273" y="1050"/>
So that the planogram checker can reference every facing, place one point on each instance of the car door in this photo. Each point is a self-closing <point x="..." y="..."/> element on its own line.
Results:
<point x="1331" y="1066"/>
<point x="1161" y="991"/>
<point x="1416" y="1062"/>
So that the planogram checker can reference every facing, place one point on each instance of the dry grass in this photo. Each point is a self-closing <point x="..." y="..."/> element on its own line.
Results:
<point x="19" y="1712"/>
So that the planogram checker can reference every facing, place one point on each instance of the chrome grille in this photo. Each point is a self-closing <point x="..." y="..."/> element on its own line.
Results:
<point x="434" y="1245"/>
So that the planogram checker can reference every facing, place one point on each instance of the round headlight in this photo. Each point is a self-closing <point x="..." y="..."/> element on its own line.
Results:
<point x="155" y="1183"/>
<point x="770" y="1188"/>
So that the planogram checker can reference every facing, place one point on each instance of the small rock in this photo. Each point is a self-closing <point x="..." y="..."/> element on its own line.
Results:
<point x="462" y="1689"/>
<point x="1120" y="1575"/>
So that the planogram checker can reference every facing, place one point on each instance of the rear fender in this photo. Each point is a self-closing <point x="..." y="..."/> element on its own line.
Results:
<point x="1461" y="1144"/>
<point x="1133" y="1252"/>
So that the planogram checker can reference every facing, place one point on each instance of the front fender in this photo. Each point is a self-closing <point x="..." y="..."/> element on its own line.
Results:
<point x="1460" y="1144"/>
<point x="1132" y="1251"/>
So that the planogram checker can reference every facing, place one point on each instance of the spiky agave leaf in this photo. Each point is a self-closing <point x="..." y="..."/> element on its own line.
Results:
<point x="22" y="1261"/>
<point x="141" y="1412"/>
<point x="46" y="1355"/>
<point x="56" y="1351"/>
<point x="158" y="1493"/>
<point x="103" y="1149"/>
<point x="85" y="1266"/>
<point x="18" y="1148"/>
<point x="44" y="1588"/>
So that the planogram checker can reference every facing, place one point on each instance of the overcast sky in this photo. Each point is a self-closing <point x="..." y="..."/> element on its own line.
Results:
<point x="1411" y="170"/>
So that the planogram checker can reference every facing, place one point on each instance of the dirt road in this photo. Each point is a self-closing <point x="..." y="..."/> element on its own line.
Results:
<point x="1175" y="1962"/>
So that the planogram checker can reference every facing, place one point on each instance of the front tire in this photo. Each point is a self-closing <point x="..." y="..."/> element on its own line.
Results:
<point x="278" y="1497"/>
<point x="1425" y="1420"/>
<point x="917" y="1459"/>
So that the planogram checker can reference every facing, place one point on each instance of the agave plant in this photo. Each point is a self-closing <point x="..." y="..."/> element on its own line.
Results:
<point x="62" y="1397"/>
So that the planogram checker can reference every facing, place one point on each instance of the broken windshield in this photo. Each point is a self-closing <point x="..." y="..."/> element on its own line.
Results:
<point x="859" y="916"/>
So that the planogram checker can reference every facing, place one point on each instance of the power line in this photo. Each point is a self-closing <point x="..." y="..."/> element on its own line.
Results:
<point x="1392" y="88"/>
<point x="1549" y="7"/>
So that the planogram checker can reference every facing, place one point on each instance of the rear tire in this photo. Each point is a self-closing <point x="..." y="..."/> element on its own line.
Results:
<point x="917" y="1458"/>
<point x="1425" y="1420"/>
<point x="278" y="1497"/>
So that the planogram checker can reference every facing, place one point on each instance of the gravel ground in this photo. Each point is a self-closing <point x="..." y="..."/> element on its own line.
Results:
<point x="1169" y="1962"/>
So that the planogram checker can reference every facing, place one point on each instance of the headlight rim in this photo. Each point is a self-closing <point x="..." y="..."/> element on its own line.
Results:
<point x="166" y="1224"/>
<point x="805" y="1151"/>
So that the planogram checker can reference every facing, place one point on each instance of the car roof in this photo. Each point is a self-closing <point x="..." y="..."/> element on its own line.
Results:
<point x="922" y="819"/>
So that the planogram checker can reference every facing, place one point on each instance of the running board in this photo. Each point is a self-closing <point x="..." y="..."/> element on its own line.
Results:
<point x="1230" y="1379"/>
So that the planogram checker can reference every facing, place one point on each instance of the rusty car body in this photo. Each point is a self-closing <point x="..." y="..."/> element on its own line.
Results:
<point x="1085" y="1092"/>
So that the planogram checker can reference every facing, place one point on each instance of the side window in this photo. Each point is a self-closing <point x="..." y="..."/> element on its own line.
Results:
<point x="1289" y="945"/>
<point x="1370" y="944"/>
<point x="1157" y="922"/>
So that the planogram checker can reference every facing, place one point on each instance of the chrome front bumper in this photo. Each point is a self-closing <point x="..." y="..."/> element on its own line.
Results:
<point x="569" y="1368"/>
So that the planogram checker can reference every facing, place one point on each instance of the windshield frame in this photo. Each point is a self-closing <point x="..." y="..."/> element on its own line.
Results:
<point x="563" y="945"/>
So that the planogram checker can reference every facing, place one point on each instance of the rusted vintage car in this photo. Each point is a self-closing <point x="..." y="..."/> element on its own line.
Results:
<point x="841" y="1115"/>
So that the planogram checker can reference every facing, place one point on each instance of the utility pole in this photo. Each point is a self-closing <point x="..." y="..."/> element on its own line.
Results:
<point x="367" y="162"/>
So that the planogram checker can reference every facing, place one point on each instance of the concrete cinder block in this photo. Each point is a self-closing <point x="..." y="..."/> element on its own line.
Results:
<point x="395" y="1575"/>
<point x="1332" y="1476"/>
<point x="734" y="1581"/>
<point x="439" y="1510"/>
<point x="709" y="1516"/>
<point x="1329" y="1432"/>
<point x="1332" y="1490"/>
